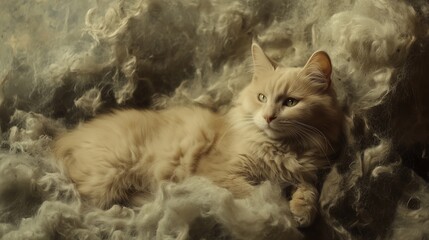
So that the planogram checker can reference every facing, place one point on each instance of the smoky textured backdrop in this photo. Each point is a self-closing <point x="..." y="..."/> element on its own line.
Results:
<point x="63" y="62"/>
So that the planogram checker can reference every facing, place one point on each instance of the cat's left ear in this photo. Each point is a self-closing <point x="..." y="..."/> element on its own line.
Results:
<point x="318" y="69"/>
<point x="261" y="63"/>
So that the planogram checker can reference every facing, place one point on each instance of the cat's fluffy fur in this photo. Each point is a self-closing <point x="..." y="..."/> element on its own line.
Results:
<point x="282" y="127"/>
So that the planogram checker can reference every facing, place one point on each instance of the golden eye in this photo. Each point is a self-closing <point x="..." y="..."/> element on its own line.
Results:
<point x="262" y="98"/>
<point x="290" y="102"/>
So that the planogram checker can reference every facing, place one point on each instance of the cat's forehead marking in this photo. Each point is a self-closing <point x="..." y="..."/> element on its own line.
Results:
<point x="281" y="81"/>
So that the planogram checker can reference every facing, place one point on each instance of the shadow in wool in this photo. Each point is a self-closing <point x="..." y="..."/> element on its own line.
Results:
<point x="374" y="186"/>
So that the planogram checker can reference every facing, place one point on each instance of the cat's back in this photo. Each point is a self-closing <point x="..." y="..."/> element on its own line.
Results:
<point x="135" y="127"/>
<point x="104" y="129"/>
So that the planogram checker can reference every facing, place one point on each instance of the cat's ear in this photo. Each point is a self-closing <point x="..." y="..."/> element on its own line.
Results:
<point x="318" y="69"/>
<point x="261" y="63"/>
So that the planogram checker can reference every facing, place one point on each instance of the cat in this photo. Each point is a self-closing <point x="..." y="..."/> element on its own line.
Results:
<point x="282" y="127"/>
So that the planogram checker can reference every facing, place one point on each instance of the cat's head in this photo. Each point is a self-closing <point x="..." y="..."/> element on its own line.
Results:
<point x="292" y="102"/>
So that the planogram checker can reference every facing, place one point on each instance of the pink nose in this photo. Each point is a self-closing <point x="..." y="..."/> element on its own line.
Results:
<point x="269" y="118"/>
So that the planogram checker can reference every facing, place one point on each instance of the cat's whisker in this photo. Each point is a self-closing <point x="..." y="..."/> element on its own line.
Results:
<point x="240" y="122"/>
<point x="315" y="141"/>
<point x="307" y="132"/>
<point x="315" y="130"/>
<point x="299" y="136"/>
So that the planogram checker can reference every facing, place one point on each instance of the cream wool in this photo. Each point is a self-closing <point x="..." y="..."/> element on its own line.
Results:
<point x="64" y="62"/>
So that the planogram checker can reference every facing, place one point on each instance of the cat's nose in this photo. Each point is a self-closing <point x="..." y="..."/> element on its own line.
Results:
<point x="269" y="118"/>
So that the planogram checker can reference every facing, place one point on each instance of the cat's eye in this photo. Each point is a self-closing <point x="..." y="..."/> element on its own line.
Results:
<point x="290" y="102"/>
<point x="262" y="98"/>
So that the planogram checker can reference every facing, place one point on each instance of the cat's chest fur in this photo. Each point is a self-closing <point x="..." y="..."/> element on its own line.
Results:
<point x="261" y="158"/>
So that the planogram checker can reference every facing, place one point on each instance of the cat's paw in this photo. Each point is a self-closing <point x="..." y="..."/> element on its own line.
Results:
<point x="303" y="206"/>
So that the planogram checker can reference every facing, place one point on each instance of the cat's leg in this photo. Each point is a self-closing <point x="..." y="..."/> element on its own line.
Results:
<point x="237" y="185"/>
<point x="138" y="199"/>
<point x="303" y="204"/>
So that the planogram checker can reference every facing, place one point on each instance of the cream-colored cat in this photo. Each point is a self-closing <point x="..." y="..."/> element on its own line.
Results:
<point x="282" y="128"/>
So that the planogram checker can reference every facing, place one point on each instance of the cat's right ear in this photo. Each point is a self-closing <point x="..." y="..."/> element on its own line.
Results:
<point x="261" y="63"/>
<point x="318" y="69"/>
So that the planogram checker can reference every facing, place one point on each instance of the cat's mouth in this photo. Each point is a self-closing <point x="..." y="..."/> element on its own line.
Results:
<point x="273" y="132"/>
<point x="272" y="127"/>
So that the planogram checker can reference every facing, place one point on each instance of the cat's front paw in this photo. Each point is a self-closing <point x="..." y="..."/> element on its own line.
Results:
<point x="303" y="206"/>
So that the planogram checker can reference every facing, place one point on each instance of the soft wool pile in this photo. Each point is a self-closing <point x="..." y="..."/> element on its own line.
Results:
<point x="65" y="62"/>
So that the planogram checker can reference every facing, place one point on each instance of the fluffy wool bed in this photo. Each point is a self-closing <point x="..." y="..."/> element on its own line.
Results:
<point x="64" y="62"/>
